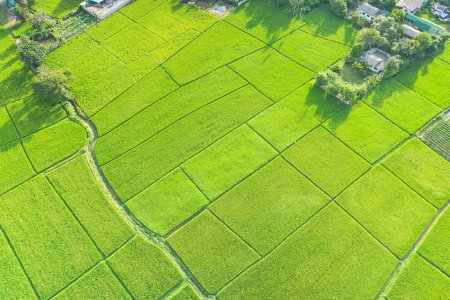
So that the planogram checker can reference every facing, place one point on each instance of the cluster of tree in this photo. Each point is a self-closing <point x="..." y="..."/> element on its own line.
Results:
<point x="341" y="7"/>
<point x="43" y="26"/>
<point x="384" y="4"/>
<point x="299" y="7"/>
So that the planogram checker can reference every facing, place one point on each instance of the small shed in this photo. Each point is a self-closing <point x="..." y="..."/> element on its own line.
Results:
<point x="441" y="12"/>
<point x="376" y="59"/>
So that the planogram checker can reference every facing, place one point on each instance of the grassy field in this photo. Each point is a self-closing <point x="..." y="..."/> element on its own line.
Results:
<point x="219" y="169"/>
<point x="56" y="8"/>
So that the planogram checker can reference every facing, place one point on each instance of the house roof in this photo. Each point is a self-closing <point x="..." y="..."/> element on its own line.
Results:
<point x="369" y="9"/>
<point x="424" y="25"/>
<point x="410" y="31"/>
<point x="440" y="7"/>
<point x="410" y="5"/>
<point x="376" y="58"/>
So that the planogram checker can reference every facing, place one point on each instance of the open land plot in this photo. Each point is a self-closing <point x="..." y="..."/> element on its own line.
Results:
<point x="264" y="20"/>
<point x="77" y="186"/>
<point x="388" y="208"/>
<point x="7" y="131"/>
<point x="326" y="161"/>
<point x="295" y="115"/>
<point x="55" y="143"/>
<point x="420" y="280"/>
<point x="423" y="169"/>
<point x="438" y="135"/>
<point x="166" y="50"/>
<point x="211" y="251"/>
<point x="15" y="166"/>
<point x="140" y="8"/>
<point x="98" y="283"/>
<point x="144" y="269"/>
<point x="219" y="45"/>
<point x="436" y="246"/>
<point x="228" y="161"/>
<point x="430" y="79"/>
<point x="402" y="106"/>
<point x="56" y="8"/>
<point x="137" y="169"/>
<point x="322" y="22"/>
<point x="168" y="202"/>
<point x="284" y="74"/>
<point x="109" y="26"/>
<point x="50" y="243"/>
<point x="375" y="136"/>
<point x="266" y="207"/>
<point x="167" y="111"/>
<point x="314" y="263"/>
<point x="311" y="51"/>
<point x="14" y="284"/>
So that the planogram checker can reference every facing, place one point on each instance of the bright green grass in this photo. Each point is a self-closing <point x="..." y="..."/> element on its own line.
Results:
<point x="167" y="111"/>
<point x="436" y="246"/>
<point x="144" y="93"/>
<point x="143" y="42"/>
<point x="311" y="51"/>
<point x="33" y="113"/>
<point x="14" y="165"/>
<point x="140" y="8"/>
<point x="167" y="203"/>
<point x="272" y="73"/>
<point x="50" y="243"/>
<point x="186" y="293"/>
<point x="109" y="26"/>
<point x="166" y="50"/>
<point x="73" y="50"/>
<point x="219" y="45"/>
<point x="22" y="29"/>
<point x="264" y="20"/>
<point x="388" y="208"/>
<point x="326" y="161"/>
<point x="366" y="131"/>
<point x="6" y="41"/>
<point x="269" y="205"/>
<point x="423" y="169"/>
<point x="15" y="78"/>
<point x="98" y="283"/>
<point x="56" y="8"/>
<point x="211" y="251"/>
<point x="330" y="257"/>
<point x="78" y="187"/>
<point x="295" y="115"/>
<point x="228" y="161"/>
<point x="420" y="280"/>
<point x="322" y="22"/>
<point x="161" y="22"/>
<point x="445" y="56"/>
<point x="55" y="143"/>
<point x="401" y="105"/>
<point x="137" y="169"/>
<point x="13" y="282"/>
<point x="145" y="269"/>
<point x="430" y="79"/>
<point x="7" y="131"/>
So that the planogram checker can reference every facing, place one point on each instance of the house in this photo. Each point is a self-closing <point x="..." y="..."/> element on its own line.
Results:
<point x="369" y="12"/>
<point x="441" y="12"/>
<point x="423" y="25"/>
<point x="411" y="6"/>
<point x="410" y="31"/>
<point x="376" y="59"/>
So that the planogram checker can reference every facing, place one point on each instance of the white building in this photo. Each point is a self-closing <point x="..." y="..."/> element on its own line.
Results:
<point x="376" y="59"/>
<point x="441" y="12"/>
<point x="369" y="12"/>
<point x="411" y="6"/>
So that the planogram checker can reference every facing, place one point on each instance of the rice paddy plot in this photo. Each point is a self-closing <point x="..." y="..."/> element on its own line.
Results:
<point x="137" y="169"/>
<point x="78" y="187"/>
<point x="56" y="8"/>
<point x="140" y="8"/>
<point x="109" y="27"/>
<point x="167" y="203"/>
<point x="166" y="50"/>
<point x="50" y="243"/>
<point x="163" y="24"/>
<point x="295" y="115"/>
<point x="228" y="161"/>
<point x="272" y="73"/>
<point x="55" y="143"/>
<point x="99" y="282"/>
<point x="266" y="207"/>
<point x="326" y="161"/>
<point x="6" y="42"/>
<point x="7" y="131"/>
<point x="15" y="166"/>
<point x="211" y="251"/>
<point x="420" y="280"/>
<point x="423" y="169"/>
<point x="165" y="112"/>
<point x="437" y="135"/>
<point x="73" y="51"/>
<point x="388" y="208"/>
<point x="186" y="293"/>
<point x="15" y="78"/>
<point x="430" y="79"/>
<point x="218" y="46"/>
<point x="311" y="51"/>
<point x="445" y="55"/>
<point x="365" y="131"/>
<point x="402" y="106"/>
<point x="144" y="269"/>
<point x="315" y="263"/>
<point x="264" y="20"/>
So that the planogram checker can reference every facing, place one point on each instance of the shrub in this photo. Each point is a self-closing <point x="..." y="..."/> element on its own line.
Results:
<point x="339" y="7"/>
<point x="51" y="84"/>
<point x="32" y="53"/>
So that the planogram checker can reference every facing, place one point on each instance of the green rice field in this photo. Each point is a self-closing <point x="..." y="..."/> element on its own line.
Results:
<point x="202" y="162"/>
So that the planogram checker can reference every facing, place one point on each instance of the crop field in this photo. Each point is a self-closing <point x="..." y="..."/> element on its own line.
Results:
<point x="202" y="162"/>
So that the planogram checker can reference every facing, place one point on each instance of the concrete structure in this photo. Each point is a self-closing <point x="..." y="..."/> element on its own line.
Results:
<point x="369" y="12"/>
<point x="411" y="6"/>
<point x="376" y="59"/>
<point x="423" y="25"/>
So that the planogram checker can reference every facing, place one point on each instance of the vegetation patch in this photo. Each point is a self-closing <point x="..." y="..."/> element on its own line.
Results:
<point x="56" y="8"/>
<point x="140" y="8"/>
<point x="110" y="26"/>
<point x="186" y="293"/>
<point x="437" y="135"/>
<point x="166" y="50"/>
<point x="7" y="131"/>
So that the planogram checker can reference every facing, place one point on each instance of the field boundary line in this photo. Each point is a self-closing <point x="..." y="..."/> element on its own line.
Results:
<point x="324" y="38"/>
<point x="251" y="84"/>
<point x="432" y="263"/>
<point x="417" y="92"/>
<point x="8" y="241"/>
<point x="414" y="249"/>
<point x="173" y="291"/>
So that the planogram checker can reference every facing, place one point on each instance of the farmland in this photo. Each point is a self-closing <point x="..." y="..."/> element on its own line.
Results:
<point x="199" y="160"/>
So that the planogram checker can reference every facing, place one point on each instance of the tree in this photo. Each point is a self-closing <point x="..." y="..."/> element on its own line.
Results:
<point x="398" y="15"/>
<point x="425" y="40"/>
<point x="406" y="48"/>
<point x="51" y="84"/>
<point x="339" y="7"/>
<point x="357" y="51"/>
<point x="388" y="28"/>
<point x="38" y="20"/>
<point x="32" y="53"/>
<point x="393" y="66"/>
<point x="369" y="37"/>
